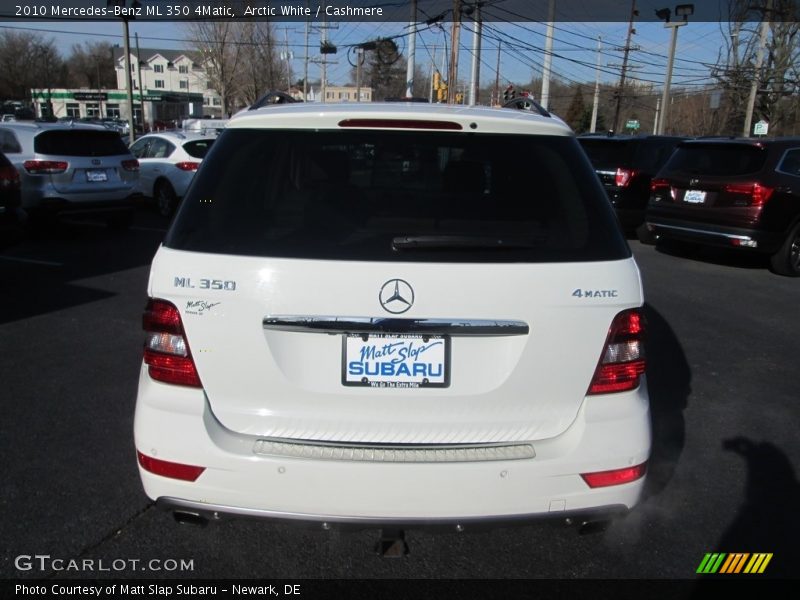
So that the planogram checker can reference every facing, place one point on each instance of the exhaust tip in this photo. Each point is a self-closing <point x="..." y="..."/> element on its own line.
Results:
<point x="189" y="518"/>
<point x="593" y="527"/>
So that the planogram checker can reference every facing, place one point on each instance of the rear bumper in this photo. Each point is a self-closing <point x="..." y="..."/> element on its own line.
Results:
<point x="12" y="225"/>
<point x="212" y="512"/>
<point x="176" y="424"/>
<point x="60" y="206"/>
<point x="630" y="218"/>
<point x="714" y="235"/>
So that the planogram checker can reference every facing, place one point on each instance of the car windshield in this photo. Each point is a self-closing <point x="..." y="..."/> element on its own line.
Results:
<point x="717" y="159"/>
<point x="79" y="142"/>
<point x="397" y="196"/>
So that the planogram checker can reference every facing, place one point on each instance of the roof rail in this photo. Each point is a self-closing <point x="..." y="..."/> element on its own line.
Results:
<point x="273" y="97"/>
<point x="525" y="103"/>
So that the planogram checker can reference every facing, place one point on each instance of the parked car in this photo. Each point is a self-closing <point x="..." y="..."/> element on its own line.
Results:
<point x="736" y="193"/>
<point x="626" y="165"/>
<point x="12" y="217"/>
<point x="373" y="299"/>
<point x="167" y="163"/>
<point x="72" y="169"/>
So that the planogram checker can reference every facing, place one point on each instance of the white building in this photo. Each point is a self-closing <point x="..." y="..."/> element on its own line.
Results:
<point x="165" y="78"/>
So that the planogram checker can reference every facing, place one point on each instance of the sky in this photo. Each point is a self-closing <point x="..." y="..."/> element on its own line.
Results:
<point x="574" y="47"/>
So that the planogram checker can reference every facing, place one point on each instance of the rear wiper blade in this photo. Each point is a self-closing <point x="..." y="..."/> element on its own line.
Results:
<point x="483" y="242"/>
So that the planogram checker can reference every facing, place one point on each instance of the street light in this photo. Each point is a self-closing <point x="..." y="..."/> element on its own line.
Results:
<point x="683" y="11"/>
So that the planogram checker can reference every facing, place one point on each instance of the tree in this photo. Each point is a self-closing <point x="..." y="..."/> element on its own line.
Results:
<point x="262" y="69"/>
<point x="92" y="65"/>
<point x="27" y="61"/>
<point x="384" y="70"/>
<point x="575" y="110"/>
<point x="218" y="43"/>
<point x="779" y="75"/>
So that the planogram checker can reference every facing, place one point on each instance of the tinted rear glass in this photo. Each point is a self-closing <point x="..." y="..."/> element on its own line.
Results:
<point x="198" y="148"/>
<point x="79" y="142"/>
<point x="717" y="159"/>
<point x="350" y="194"/>
<point x="608" y="154"/>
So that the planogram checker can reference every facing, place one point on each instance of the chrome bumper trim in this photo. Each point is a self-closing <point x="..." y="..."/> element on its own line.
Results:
<point x="450" y="453"/>
<point x="729" y="236"/>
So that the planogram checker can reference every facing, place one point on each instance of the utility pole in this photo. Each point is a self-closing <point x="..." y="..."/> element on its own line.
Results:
<point x="452" y="75"/>
<point x="359" y="62"/>
<point x="433" y="70"/>
<point x="631" y="31"/>
<point x="128" y="83"/>
<point x="548" y="55"/>
<point x="751" y="101"/>
<point x="412" y="49"/>
<point x="324" y="83"/>
<point x="141" y="83"/>
<point x="305" y="62"/>
<point x="665" y="102"/>
<point x="289" y="58"/>
<point x="596" y="101"/>
<point x="658" y="113"/>
<point x="475" y="76"/>
<point x="497" y="75"/>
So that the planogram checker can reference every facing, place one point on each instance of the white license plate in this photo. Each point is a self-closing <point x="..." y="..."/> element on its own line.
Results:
<point x="694" y="197"/>
<point x="96" y="175"/>
<point x="396" y="361"/>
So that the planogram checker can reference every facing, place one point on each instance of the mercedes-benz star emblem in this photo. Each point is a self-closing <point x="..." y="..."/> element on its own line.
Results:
<point x="396" y="296"/>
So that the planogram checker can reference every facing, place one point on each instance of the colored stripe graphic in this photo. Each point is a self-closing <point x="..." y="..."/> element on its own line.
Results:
<point x="758" y="563"/>
<point x="734" y="563"/>
<point x="720" y="562"/>
<point x="711" y="563"/>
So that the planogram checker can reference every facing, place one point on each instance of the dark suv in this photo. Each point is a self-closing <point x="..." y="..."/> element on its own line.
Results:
<point x="12" y="217"/>
<point x="739" y="193"/>
<point x="626" y="165"/>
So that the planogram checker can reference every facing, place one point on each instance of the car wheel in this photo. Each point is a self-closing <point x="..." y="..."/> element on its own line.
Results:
<point x="120" y="220"/>
<point x="786" y="261"/>
<point x="166" y="200"/>
<point x="645" y="235"/>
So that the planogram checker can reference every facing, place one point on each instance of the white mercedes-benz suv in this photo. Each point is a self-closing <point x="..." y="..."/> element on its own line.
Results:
<point x="391" y="313"/>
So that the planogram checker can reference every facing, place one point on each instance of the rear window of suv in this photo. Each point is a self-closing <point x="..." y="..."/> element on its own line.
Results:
<point x="79" y="142"/>
<point x="397" y="196"/>
<point x="723" y="160"/>
<point x="198" y="148"/>
<point x="644" y="154"/>
<point x="605" y="153"/>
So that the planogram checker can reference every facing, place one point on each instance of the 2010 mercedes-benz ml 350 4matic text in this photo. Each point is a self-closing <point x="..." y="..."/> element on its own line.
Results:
<point x="394" y="314"/>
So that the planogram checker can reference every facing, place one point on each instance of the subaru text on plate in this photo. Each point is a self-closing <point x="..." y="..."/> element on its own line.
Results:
<point x="394" y="313"/>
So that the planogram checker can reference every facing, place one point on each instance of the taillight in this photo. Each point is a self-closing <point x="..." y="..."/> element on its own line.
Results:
<point x="130" y="165"/>
<point x="401" y="124"/>
<point x="166" y="351"/>
<point x="614" y="477"/>
<point x="622" y="362"/>
<point x="166" y="468"/>
<point x="623" y="177"/>
<point x="9" y="177"/>
<point x="45" y="167"/>
<point x="659" y="185"/>
<point x="188" y="166"/>
<point x="753" y="194"/>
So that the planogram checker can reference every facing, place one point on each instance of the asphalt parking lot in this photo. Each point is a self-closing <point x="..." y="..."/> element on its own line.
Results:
<point x="723" y="378"/>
